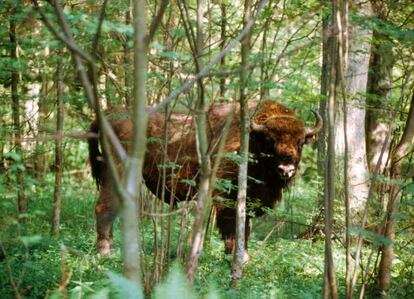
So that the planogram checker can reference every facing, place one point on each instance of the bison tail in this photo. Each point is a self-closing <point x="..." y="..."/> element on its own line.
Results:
<point x="95" y="155"/>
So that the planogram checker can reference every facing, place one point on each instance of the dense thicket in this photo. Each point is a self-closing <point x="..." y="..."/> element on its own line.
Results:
<point x="63" y="63"/>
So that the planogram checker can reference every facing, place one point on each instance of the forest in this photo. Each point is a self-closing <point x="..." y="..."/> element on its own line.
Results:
<point x="207" y="149"/>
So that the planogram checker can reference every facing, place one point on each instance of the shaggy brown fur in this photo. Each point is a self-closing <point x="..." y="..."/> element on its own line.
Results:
<point x="276" y="150"/>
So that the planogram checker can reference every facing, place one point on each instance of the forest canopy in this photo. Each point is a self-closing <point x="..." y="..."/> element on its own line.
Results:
<point x="241" y="149"/>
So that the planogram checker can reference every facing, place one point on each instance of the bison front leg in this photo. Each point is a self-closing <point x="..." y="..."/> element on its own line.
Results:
<point x="106" y="210"/>
<point x="226" y="223"/>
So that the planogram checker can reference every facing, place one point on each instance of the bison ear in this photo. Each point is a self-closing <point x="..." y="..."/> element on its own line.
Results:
<point x="311" y="139"/>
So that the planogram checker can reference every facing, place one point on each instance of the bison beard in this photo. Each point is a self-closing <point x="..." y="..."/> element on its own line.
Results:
<point x="276" y="141"/>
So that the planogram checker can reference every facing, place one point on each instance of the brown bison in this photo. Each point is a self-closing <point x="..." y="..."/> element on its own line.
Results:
<point x="276" y="141"/>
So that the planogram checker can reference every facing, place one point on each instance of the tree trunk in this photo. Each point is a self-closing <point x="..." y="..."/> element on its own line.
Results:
<point x="133" y="181"/>
<point x="222" y="45"/>
<point x="356" y="74"/>
<point x="58" y="150"/>
<point x="40" y="157"/>
<point x="127" y="80"/>
<point x="204" y="198"/>
<point x="240" y="252"/>
<point x="325" y="73"/>
<point x="379" y="92"/>
<point x="387" y="250"/>
<point x="21" y="199"/>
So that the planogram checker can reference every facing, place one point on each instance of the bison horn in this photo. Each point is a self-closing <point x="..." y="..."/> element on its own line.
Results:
<point x="317" y="127"/>
<point x="256" y="127"/>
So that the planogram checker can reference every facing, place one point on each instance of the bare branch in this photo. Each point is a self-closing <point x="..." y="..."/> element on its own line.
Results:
<point x="156" y="21"/>
<point x="67" y="41"/>
<point x="216" y="59"/>
<point x="99" y="28"/>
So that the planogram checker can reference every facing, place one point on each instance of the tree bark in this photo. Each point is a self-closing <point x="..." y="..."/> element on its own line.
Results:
<point x="330" y="285"/>
<point x="133" y="181"/>
<point x="240" y="252"/>
<point x="356" y="74"/>
<point x="57" y="200"/>
<point x="21" y="199"/>
<point x="204" y="198"/>
<point x="379" y="91"/>
<point x="325" y="73"/>
<point x="40" y="157"/>
<point x="126" y="59"/>
<point x="222" y="45"/>
<point x="398" y="155"/>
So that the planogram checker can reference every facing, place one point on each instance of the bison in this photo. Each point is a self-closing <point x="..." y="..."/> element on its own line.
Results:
<point x="276" y="141"/>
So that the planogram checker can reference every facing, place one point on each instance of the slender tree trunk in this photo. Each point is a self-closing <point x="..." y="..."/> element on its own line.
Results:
<point x="387" y="250"/>
<point x="203" y="200"/>
<point x="325" y="72"/>
<point x="239" y="252"/>
<point x="341" y="64"/>
<point x="21" y="199"/>
<point x="379" y="91"/>
<point x="127" y="75"/>
<point x="40" y="157"/>
<point x="330" y="285"/>
<point x="354" y="42"/>
<point x="133" y="181"/>
<point x="58" y="150"/>
<point x="222" y="45"/>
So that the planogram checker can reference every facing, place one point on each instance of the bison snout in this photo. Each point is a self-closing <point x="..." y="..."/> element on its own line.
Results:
<point x="286" y="171"/>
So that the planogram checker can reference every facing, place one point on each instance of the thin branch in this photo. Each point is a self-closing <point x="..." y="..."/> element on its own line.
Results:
<point x="187" y="205"/>
<point x="67" y="41"/>
<point x="93" y="101"/>
<point x="156" y="21"/>
<point x="99" y="28"/>
<point x="216" y="59"/>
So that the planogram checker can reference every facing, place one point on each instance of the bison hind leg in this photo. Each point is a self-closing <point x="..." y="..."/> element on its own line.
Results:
<point x="106" y="210"/>
<point x="226" y="223"/>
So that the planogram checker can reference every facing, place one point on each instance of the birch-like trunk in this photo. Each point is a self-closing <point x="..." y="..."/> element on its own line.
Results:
<point x="356" y="75"/>
<point x="133" y="180"/>
<point x="240" y="252"/>
<point x="204" y="198"/>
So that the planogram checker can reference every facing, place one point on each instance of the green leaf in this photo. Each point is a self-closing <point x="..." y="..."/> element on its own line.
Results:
<point x="175" y="286"/>
<point x="14" y="156"/>
<point x="101" y="294"/>
<point x="30" y="240"/>
<point x="192" y="183"/>
<point x="57" y="294"/>
<point x="169" y="54"/>
<point x="224" y="185"/>
<point x="126" y="288"/>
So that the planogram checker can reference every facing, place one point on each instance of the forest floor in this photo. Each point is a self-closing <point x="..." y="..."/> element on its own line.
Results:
<point x="40" y="265"/>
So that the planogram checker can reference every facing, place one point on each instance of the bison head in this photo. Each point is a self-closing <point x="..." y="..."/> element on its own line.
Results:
<point x="285" y="136"/>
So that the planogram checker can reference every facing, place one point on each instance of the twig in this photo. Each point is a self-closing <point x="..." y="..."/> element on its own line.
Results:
<point x="188" y="204"/>
<point x="67" y="41"/>
<point x="156" y="21"/>
<point x="216" y="59"/>
<point x="99" y="28"/>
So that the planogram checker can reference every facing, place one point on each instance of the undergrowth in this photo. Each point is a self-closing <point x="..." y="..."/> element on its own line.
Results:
<point x="40" y="266"/>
